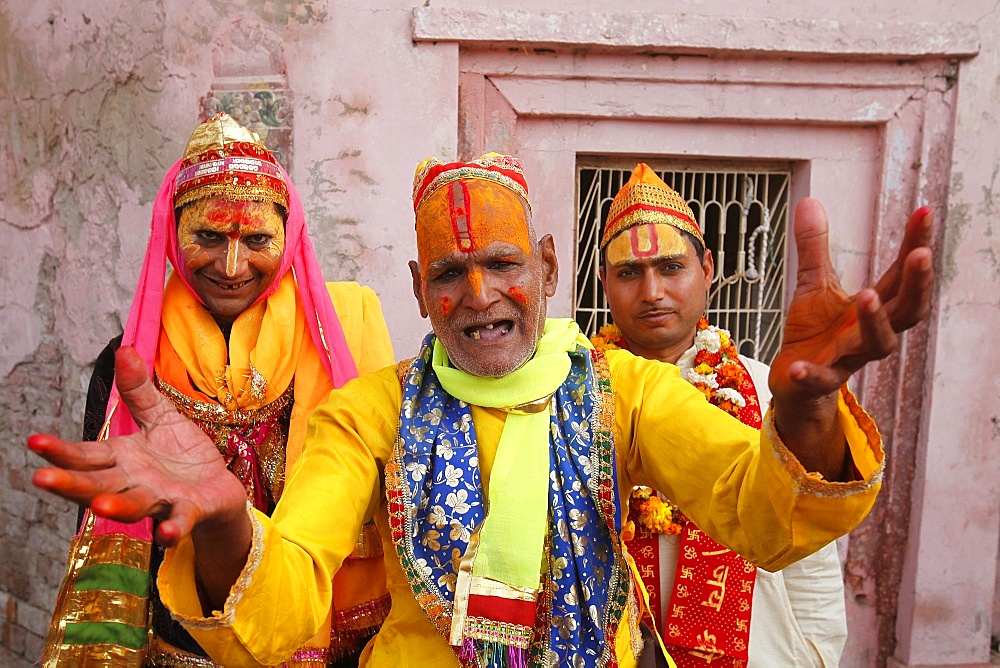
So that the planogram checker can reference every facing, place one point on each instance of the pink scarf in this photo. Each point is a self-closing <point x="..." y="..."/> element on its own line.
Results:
<point x="142" y="330"/>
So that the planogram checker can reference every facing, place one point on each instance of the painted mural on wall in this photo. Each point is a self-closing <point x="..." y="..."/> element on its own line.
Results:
<point x="251" y="85"/>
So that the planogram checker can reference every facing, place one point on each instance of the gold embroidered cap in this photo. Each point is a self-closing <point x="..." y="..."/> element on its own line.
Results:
<point x="646" y="200"/>
<point x="504" y="170"/>
<point x="225" y="159"/>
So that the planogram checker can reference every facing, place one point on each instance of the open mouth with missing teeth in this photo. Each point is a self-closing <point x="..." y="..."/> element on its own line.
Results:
<point x="231" y="287"/>
<point x="489" y="332"/>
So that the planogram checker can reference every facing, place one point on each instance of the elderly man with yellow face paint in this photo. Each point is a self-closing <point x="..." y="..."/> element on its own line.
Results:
<point x="656" y="274"/>
<point x="494" y="461"/>
<point x="245" y="341"/>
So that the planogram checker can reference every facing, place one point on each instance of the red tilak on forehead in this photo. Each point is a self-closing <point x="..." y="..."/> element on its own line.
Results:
<point x="654" y="242"/>
<point x="236" y="213"/>
<point x="460" y="207"/>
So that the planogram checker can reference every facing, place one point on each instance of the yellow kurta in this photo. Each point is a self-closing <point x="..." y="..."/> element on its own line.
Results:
<point x="740" y="485"/>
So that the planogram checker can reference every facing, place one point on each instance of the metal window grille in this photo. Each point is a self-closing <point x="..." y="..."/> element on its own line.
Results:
<point x="743" y="213"/>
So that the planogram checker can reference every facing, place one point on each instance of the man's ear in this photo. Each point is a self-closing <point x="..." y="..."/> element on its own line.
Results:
<point x="550" y="264"/>
<point x="418" y="291"/>
<point x="708" y="267"/>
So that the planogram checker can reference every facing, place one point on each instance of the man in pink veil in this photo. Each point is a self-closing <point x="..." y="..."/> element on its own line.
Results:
<point x="245" y="338"/>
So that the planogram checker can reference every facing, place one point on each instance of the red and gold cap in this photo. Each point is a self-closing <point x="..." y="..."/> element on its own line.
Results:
<point x="225" y="159"/>
<point x="647" y="200"/>
<point x="504" y="170"/>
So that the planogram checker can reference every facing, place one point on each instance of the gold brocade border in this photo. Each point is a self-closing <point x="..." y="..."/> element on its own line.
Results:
<point x="366" y="615"/>
<point x="74" y="606"/>
<point x="214" y="413"/>
<point x="114" y="548"/>
<point x="225" y="618"/>
<point x="369" y="543"/>
<point x="814" y="483"/>
<point x="106" y="606"/>
<point x="92" y="656"/>
<point x="621" y="593"/>
<point x="434" y="605"/>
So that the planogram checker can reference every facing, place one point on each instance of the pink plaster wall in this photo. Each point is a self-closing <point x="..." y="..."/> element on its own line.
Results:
<point x="97" y="99"/>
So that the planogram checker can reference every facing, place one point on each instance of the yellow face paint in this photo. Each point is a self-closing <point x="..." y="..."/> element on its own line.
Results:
<point x="644" y="242"/>
<point x="466" y="216"/>
<point x="207" y="221"/>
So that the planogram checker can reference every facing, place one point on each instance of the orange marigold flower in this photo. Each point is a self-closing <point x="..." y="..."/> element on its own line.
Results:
<point x="705" y="357"/>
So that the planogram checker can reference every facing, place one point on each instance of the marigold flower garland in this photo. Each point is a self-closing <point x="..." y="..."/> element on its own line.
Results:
<point x="654" y="513"/>
<point x="717" y="372"/>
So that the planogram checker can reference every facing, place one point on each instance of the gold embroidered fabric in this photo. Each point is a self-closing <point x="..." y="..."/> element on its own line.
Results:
<point x="223" y="426"/>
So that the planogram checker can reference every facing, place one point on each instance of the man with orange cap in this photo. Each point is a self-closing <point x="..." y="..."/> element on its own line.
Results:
<point x="656" y="274"/>
<point x="245" y="339"/>
<point x="493" y="461"/>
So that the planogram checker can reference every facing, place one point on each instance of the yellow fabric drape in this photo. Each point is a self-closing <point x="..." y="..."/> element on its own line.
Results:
<point x="742" y="486"/>
<point x="272" y="337"/>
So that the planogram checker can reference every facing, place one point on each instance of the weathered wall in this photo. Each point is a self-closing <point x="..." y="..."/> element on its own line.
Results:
<point x="97" y="99"/>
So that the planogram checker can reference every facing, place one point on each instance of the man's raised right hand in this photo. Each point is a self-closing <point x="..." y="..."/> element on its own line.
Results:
<point x="169" y="469"/>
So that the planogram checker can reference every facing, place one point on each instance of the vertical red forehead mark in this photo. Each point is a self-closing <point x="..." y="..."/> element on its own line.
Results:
<point x="445" y="306"/>
<point x="233" y="234"/>
<point x="517" y="294"/>
<point x="649" y="247"/>
<point x="460" y="207"/>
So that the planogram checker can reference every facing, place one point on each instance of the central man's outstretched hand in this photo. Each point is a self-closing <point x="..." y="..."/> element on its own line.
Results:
<point x="169" y="469"/>
<point x="829" y="334"/>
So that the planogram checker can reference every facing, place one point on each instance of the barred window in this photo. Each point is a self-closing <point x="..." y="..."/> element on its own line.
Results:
<point x="743" y="213"/>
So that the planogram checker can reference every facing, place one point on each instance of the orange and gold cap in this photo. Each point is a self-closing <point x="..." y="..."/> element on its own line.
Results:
<point x="225" y="159"/>
<point x="647" y="200"/>
<point x="466" y="206"/>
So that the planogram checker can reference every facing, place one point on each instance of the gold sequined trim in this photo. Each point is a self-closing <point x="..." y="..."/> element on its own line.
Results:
<point x="813" y="483"/>
<point x="120" y="550"/>
<point x="164" y="655"/>
<point x="369" y="543"/>
<point x="105" y="606"/>
<point x="215" y="414"/>
<point x="604" y="476"/>
<point x="106" y="656"/>
<point x="403" y="369"/>
<point x="220" y="423"/>
<point x="352" y="628"/>
<point x="224" y="618"/>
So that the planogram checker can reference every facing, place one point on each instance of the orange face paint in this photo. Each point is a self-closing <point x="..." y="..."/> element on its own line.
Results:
<point x="465" y="216"/>
<point x="445" y="306"/>
<point x="517" y="294"/>
<point x="476" y="280"/>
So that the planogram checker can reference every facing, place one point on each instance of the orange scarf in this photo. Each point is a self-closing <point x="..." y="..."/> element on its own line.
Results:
<point x="268" y="347"/>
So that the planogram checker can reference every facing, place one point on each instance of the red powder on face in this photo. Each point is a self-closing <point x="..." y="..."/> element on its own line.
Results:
<point x="225" y="211"/>
<point x="517" y="294"/>
<point x="445" y="306"/>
